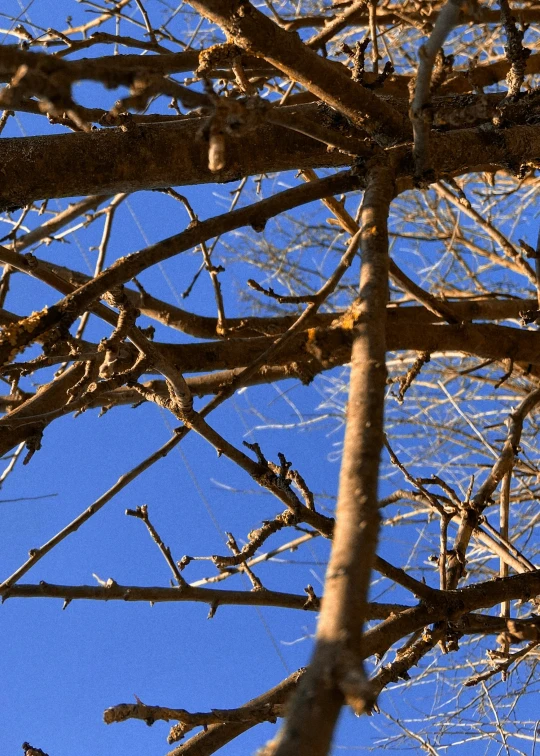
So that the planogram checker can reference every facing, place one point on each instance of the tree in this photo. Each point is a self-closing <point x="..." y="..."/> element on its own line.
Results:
<point x="427" y="166"/>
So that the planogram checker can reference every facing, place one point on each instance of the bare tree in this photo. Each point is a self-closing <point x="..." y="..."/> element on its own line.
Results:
<point x="417" y="126"/>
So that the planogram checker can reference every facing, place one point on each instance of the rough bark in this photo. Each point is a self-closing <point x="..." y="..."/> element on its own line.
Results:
<point x="109" y="161"/>
<point x="114" y="160"/>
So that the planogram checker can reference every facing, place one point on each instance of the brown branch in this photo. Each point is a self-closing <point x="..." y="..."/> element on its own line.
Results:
<point x="17" y="336"/>
<point x="204" y="327"/>
<point x="449" y="607"/>
<point x="110" y="590"/>
<point x="286" y="519"/>
<point x="142" y="514"/>
<point x="256" y="539"/>
<point x="485" y="75"/>
<point x="352" y="143"/>
<point x="257" y="34"/>
<point x="333" y="26"/>
<point x="61" y="219"/>
<point x="420" y="113"/>
<point x="517" y="630"/>
<point x="336" y="674"/>
<point x="128" y="66"/>
<point x="106" y="395"/>
<point x="416" y="19"/>
<point x="216" y="736"/>
<point x="156" y="156"/>
<point x="260" y="473"/>
<point x="251" y="715"/>
<point x="244" y="567"/>
<point x="307" y="354"/>
<point x="406" y="381"/>
<point x="503" y="666"/>
<point x="502" y="466"/>
<point x="153" y="156"/>
<point x="267" y="556"/>
<point x="406" y="658"/>
<point x="52" y="77"/>
<point x="332" y="346"/>
<point x="397" y="575"/>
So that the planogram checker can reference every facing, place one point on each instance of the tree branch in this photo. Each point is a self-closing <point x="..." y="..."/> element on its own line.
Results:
<point x="336" y="674"/>
<point x="258" y="35"/>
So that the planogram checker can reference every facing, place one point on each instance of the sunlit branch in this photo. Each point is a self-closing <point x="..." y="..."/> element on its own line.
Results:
<point x="336" y="674"/>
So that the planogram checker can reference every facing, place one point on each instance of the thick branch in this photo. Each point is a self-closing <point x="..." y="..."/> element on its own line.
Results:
<point x="109" y="161"/>
<point x="420" y="114"/>
<point x="258" y="35"/>
<point x="332" y="346"/>
<point x="307" y="354"/>
<point x="336" y="674"/>
<point x="155" y="156"/>
<point x="449" y="607"/>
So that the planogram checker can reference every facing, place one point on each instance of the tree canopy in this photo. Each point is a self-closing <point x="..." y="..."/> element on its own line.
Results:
<point x="337" y="207"/>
